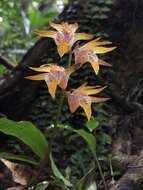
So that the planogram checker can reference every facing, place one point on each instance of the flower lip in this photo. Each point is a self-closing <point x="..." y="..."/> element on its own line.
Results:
<point x="64" y="36"/>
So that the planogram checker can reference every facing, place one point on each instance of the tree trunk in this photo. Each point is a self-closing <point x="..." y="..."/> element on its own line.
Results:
<point x="125" y="26"/>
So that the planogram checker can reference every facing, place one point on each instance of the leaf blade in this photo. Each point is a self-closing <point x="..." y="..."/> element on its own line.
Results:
<point x="87" y="182"/>
<point x="89" y="138"/>
<point x="27" y="133"/>
<point x="58" y="174"/>
<point x="20" y="157"/>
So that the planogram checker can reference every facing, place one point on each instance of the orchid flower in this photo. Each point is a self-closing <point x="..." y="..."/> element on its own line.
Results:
<point x="88" y="53"/>
<point x="53" y="75"/>
<point x="64" y="36"/>
<point x="82" y="97"/>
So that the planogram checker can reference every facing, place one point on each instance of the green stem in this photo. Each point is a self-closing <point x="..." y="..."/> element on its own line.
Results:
<point x="61" y="101"/>
<point x="100" y="171"/>
<point x="111" y="168"/>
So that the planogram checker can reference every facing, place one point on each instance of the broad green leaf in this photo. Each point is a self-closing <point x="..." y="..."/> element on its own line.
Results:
<point x="12" y="156"/>
<point x="58" y="174"/>
<point x="27" y="133"/>
<point x="89" y="138"/>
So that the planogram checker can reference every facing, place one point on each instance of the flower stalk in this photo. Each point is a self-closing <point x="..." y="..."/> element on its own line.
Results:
<point x="100" y="171"/>
<point x="61" y="100"/>
<point x="58" y="115"/>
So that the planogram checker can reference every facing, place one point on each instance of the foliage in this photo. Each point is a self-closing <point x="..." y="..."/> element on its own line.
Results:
<point x="17" y="23"/>
<point x="8" y="127"/>
<point x="32" y="137"/>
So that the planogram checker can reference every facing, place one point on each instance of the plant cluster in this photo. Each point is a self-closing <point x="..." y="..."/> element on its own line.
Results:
<point x="65" y="37"/>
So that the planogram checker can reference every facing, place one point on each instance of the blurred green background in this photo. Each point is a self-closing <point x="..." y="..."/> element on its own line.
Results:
<point x="18" y="19"/>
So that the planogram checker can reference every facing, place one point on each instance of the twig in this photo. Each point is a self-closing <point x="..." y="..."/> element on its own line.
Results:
<point x="6" y="63"/>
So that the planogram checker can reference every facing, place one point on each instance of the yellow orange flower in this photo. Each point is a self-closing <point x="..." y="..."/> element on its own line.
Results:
<point x="64" y="36"/>
<point x="88" y="53"/>
<point x="53" y="75"/>
<point x="82" y="97"/>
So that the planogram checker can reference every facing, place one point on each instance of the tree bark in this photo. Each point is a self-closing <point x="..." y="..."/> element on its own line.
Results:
<point x="125" y="26"/>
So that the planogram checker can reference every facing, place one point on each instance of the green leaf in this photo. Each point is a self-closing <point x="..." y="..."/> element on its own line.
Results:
<point x="27" y="133"/>
<point x="92" y="186"/>
<point x="12" y="156"/>
<point x="89" y="138"/>
<point x="2" y="70"/>
<point x="92" y="124"/>
<point x="58" y="174"/>
<point x="87" y="182"/>
<point x="40" y="187"/>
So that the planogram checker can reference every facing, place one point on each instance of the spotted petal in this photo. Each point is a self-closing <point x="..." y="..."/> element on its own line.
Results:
<point x="55" y="25"/>
<point x="104" y="63"/>
<point x="63" y="47"/>
<point x="94" y="90"/>
<point x="73" y="102"/>
<point x="81" y="88"/>
<point x="98" y="99"/>
<point x="64" y="26"/>
<point x="92" y="44"/>
<point x="87" y="110"/>
<point x="45" y="33"/>
<point x="86" y="88"/>
<point x="52" y="86"/>
<point x="83" y="36"/>
<point x="74" y="27"/>
<point x="41" y="69"/>
<point x="95" y="65"/>
<point x="36" y="77"/>
<point x="63" y="82"/>
<point x="100" y="50"/>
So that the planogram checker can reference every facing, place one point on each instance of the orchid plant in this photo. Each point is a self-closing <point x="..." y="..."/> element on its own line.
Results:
<point x="54" y="75"/>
